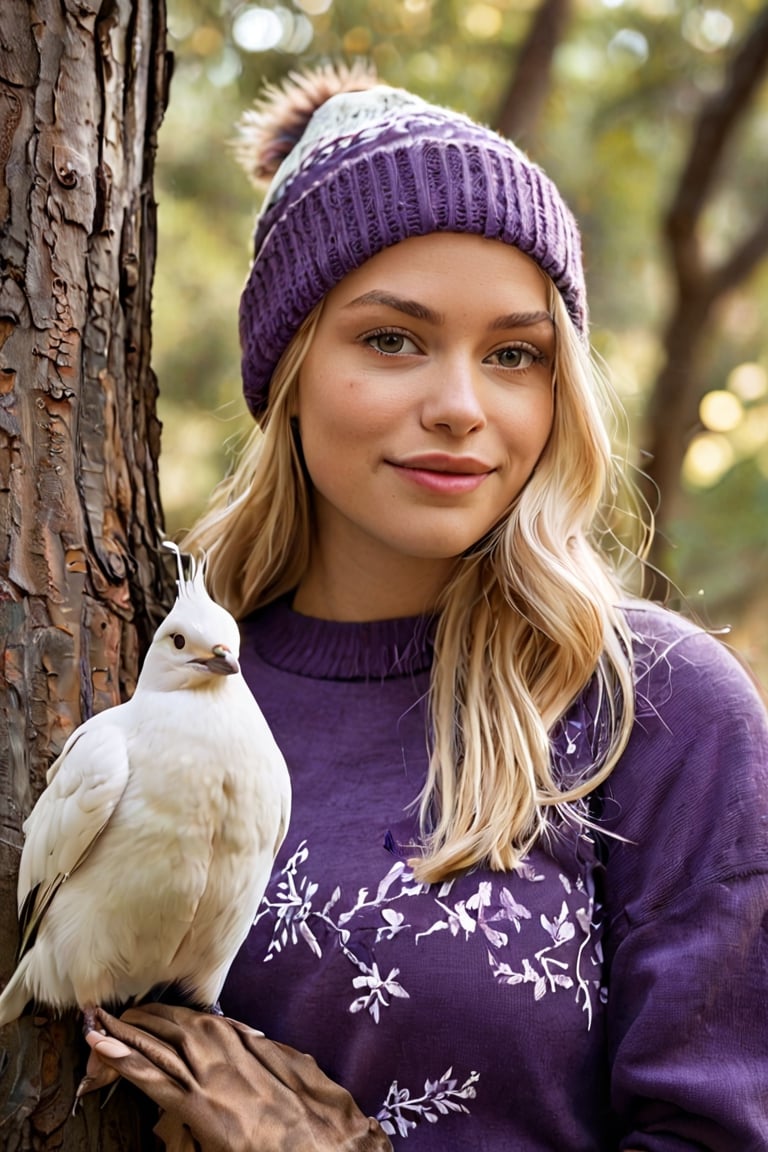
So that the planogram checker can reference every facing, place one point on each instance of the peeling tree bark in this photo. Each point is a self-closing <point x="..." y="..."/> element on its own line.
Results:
<point x="83" y="87"/>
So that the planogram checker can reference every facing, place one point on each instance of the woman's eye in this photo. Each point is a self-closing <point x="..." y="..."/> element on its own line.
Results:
<point x="178" y="640"/>
<point x="391" y="343"/>
<point x="514" y="357"/>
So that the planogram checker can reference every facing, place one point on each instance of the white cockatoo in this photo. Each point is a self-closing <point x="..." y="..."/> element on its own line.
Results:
<point x="147" y="855"/>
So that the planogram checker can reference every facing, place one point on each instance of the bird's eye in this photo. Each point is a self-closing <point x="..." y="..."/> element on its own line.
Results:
<point x="178" y="640"/>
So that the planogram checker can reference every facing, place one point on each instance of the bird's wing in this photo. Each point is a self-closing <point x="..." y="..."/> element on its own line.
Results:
<point x="85" y="786"/>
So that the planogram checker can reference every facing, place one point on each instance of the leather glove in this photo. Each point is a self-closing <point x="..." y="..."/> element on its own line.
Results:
<point x="224" y="1087"/>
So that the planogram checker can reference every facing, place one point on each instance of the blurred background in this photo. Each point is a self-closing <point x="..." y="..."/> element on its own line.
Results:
<point x="652" y="118"/>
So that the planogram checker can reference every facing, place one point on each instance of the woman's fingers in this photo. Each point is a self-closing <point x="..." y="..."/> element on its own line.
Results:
<point x="168" y="1021"/>
<point x="149" y="1063"/>
<point x="97" y="1073"/>
<point x="160" y="1045"/>
<point x="157" y="1020"/>
<point x="107" y="1046"/>
<point x="225" y="1086"/>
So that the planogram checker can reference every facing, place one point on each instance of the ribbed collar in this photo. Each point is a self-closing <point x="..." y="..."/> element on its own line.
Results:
<point x="331" y="650"/>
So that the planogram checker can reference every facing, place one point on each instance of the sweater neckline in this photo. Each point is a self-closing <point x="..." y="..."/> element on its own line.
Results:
<point x="339" y="650"/>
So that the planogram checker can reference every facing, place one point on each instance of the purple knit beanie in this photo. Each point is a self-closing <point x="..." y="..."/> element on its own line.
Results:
<point x="364" y="170"/>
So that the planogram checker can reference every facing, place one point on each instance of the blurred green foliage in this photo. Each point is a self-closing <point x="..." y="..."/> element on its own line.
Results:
<point x="627" y="80"/>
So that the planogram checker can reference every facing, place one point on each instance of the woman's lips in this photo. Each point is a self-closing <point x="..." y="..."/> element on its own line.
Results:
<point x="441" y="480"/>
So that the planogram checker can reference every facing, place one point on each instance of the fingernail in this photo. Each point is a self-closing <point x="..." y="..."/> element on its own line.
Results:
<point x="111" y="1048"/>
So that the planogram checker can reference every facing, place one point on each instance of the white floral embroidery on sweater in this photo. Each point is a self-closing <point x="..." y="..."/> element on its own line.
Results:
<point x="400" y="1114"/>
<point x="490" y="911"/>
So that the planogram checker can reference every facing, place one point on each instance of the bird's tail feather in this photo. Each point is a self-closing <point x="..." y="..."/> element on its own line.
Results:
<point x="15" y="996"/>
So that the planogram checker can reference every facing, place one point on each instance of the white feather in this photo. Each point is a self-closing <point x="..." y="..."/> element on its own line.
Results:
<point x="147" y="855"/>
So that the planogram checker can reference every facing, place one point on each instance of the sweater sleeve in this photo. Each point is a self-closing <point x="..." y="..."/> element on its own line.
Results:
<point x="686" y="904"/>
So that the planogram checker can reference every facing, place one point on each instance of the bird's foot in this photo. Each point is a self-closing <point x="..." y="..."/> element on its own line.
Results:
<point x="90" y="1023"/>
<point x="97" y="1073"/>
<point x="97" y="1076"/>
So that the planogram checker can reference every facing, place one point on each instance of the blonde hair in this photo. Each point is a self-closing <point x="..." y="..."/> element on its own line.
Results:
<point x="527" y="620"/>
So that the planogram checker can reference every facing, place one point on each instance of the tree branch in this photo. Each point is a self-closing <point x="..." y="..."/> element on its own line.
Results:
<point x="713" y="131"/>
<point x="742" y="261"/>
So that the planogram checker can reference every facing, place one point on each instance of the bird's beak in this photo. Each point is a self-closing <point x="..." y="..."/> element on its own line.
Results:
<point x="222" y="662"/>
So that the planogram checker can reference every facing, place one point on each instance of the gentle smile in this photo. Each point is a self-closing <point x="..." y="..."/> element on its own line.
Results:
<point x="444" y="462"/>
<point x="445" y="477"/>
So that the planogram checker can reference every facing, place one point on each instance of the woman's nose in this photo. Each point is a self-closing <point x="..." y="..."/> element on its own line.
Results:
<point x="453" y="399"/>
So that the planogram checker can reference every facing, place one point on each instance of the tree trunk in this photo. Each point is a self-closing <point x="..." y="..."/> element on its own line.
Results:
<point x="531" y="81"/>
<point x="698" y="284"/>
<point x="83" y="87"/>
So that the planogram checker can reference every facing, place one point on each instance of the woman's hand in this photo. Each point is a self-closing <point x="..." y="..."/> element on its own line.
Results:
<point x="225" y="1088"/>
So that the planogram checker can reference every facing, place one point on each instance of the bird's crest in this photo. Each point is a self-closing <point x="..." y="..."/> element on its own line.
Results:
<point x="191" y="586"/>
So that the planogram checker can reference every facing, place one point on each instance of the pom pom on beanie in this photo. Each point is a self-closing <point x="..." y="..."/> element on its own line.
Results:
<point x="272" y="128"/>
<point x="358" y="166"/>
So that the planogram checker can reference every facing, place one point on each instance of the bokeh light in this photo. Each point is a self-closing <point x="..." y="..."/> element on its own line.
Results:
<point x="257" y="29"/>
<point x="748" y="381"/>
<point x="708" y="458"/>
<point x="628" y="47"/>
<point x="708" y="29"/>
<point x="721" y="411"/>
<point x="483" y="21"/>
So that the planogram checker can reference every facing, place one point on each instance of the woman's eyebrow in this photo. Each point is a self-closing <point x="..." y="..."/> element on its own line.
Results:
<point x="423" y="312"/>
<point x="522" y="320"/>
<point x="399" y="303"/>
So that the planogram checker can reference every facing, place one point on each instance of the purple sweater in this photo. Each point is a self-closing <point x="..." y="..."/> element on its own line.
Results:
<point x="607" y="994"/>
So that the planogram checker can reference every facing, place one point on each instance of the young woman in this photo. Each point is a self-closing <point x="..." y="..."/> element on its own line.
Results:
<point x="522" y="903"/>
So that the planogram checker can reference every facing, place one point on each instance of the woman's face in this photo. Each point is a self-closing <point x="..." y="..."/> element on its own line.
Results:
<point x="424" y="403"/>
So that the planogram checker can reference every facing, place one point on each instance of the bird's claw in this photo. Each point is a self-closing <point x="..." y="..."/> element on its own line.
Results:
<point x="97" y="1073"/>
<point x="106" y="1078"/>
<point x="83" y="1088"/>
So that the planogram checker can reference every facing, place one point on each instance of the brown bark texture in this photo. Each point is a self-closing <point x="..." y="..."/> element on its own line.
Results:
<point x="83" y="87"/>
<point x="699" y="285"/>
